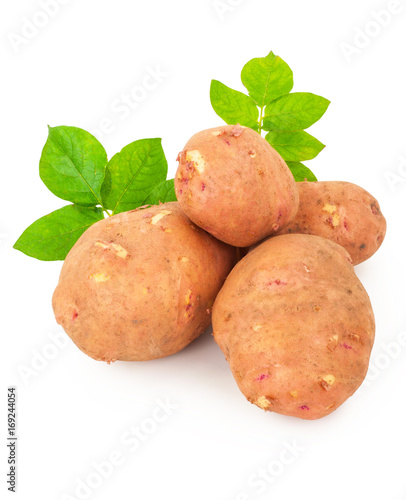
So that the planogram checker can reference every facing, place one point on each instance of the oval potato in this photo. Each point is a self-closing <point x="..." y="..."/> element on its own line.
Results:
<point x="140" y="285"/>
<point x="296" y="326"/>
<point x="342" y="212"/>
<point x="234" y="185"/>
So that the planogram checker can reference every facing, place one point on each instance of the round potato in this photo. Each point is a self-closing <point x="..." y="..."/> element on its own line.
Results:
<point x="234" y="185"/>
<point x="296" y="326"/>
<point x="342" y="212"/>
<point x="140" y="285"/>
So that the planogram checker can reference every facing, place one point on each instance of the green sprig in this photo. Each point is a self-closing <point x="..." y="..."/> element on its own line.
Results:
<point x="74" y="167"/>
<point x="270" y="106"/>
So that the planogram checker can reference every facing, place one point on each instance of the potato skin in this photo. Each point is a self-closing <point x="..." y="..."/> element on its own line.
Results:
<point x="234" y="185"/>
<point x="296" y="326"/>
<point x="140" y="285"/>
<point x="342" y="212"/>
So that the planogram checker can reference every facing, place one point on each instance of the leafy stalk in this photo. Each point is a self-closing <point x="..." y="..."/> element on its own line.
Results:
<point x="271" y="107"/>
<point x="74" y="167"/>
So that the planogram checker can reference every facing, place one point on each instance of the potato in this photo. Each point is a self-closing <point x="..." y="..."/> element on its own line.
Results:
<point x="234" y="185"/>
<point x="342" y="212"/>
<point x="296" y="326"/>
<point x="140" y="285"/>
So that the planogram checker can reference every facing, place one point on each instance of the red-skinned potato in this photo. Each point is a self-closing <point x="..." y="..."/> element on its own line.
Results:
<point x="140" y="285"/>
<point x="342" y="212"/>
<point x="234" y="185"/>
<point x="295" y="325"/>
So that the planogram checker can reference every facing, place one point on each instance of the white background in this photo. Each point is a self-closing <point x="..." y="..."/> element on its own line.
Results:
<point x="73" y="411"/>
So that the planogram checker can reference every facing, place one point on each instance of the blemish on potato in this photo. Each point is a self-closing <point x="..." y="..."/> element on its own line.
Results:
<point x="188" y="302"/>
<point x="331" y="406"/>
<point x="256" y="327"/>
<point x="375" y="210"/>
<point x="306" y="268"/>
<point x="156" y="218"/>
<point x="327" y="381"/>
<point x="330" y="379"/>
<point x="252" y="153"/>
<point x="329" y="208"/>
<point x="334" y="220"/>
<point x="188" y="296"/>
<point x="276" y="282"/>
<point x="196" y="158"/>
<point x="262" y="377"/>
<point x="120" y="251"/>
<point x="332" y="343"/>
<point x="263" y="402"/>
<point x="184" y="259"/>
<point x="99" y="277"/>
<point x="304" y="407"/>
<point x="237" y="130"/>
<point x="346" y="346"/>
<point x="217" y="133"/>
<point x="74" y="315"/>
<point x="294" y="394"/>
<point x="100" y="244"/>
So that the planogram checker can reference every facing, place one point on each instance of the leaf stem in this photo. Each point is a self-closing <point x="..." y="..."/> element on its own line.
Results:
<point x="261" y="117"/>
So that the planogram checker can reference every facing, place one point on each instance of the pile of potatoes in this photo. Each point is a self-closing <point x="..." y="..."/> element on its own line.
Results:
<point x="268" y="261"/>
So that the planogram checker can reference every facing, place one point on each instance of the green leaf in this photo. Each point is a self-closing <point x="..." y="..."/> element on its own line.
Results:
<point x="233" y="106"/>
<point x="295" y="111"/>
<point x="73" y="164"/>
<point x="52" y="236"/>
<point x="267" y="78"/>
<point x="301" y="172"/>
<point x="132" y="174"/>
<point x="294" y="146"/>
<point x="162" y="193"/>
